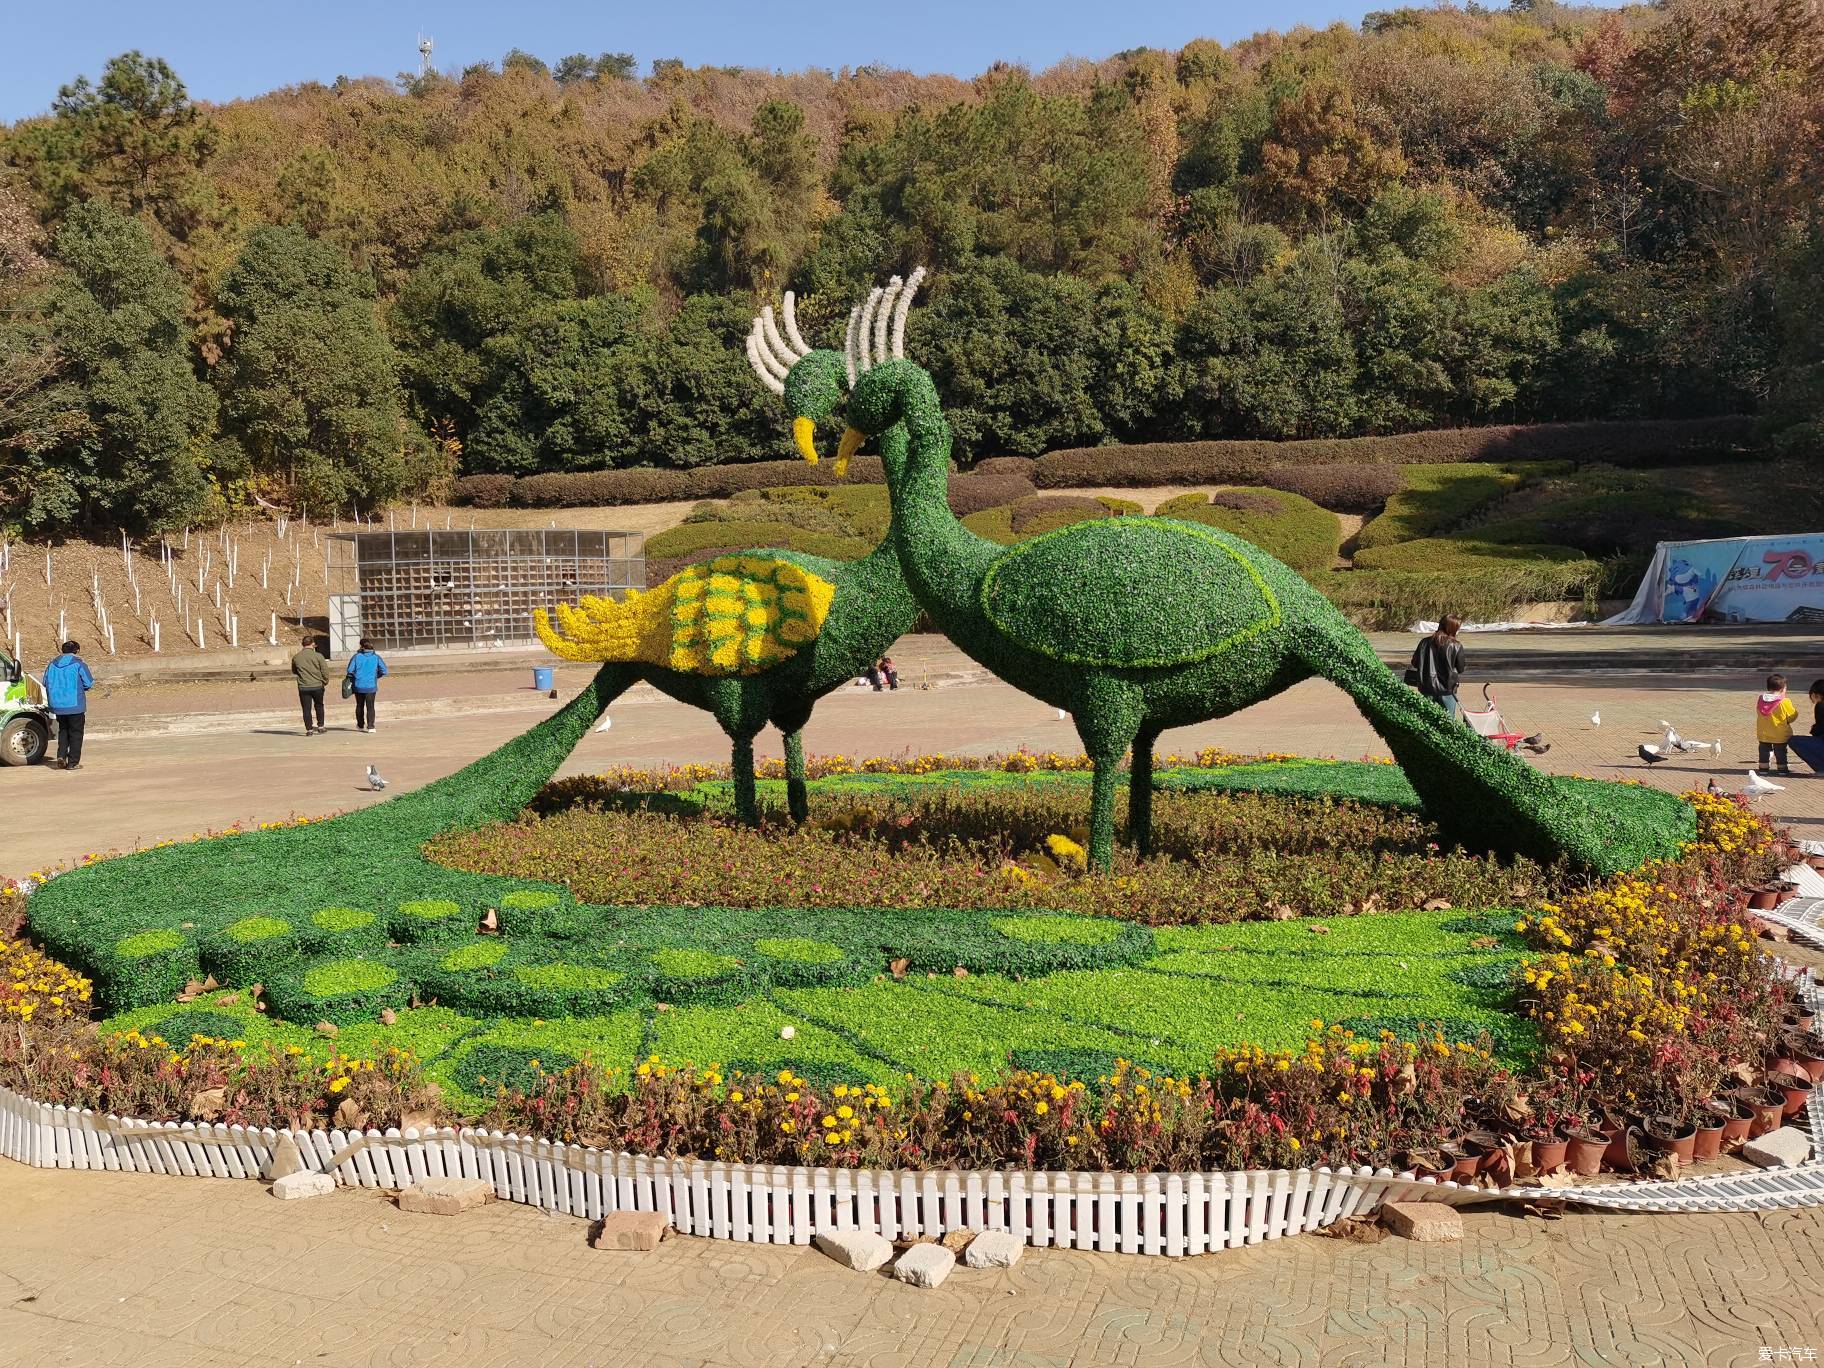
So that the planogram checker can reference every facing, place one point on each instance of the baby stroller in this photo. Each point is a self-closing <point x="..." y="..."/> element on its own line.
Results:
<point x="1488" y="722"/>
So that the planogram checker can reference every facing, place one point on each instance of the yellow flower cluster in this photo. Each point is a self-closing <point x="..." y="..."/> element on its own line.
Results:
<point x="731" y="615"/>
<point x="1633" y="960"/>
<point x="35" y="987"/>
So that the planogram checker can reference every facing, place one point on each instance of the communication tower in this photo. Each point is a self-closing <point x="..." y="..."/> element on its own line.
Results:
<point x="424" y="56"/>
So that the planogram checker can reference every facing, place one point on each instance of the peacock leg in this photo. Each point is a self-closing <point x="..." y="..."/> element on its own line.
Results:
<point x="796" y="796"/>
<point x="747" y="808"/>
<point x="1140" y="792"/>
<point x="1109" y="717"/>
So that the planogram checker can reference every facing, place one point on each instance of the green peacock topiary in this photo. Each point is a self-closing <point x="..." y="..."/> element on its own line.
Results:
<point x="757" y="637"/>
<point x="1135" y="625"/>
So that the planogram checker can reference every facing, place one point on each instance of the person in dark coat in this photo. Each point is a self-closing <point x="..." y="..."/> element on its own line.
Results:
<point x="1437" y="665"/>
<point x="311" y="669"/>
<point x="67" y="682"/>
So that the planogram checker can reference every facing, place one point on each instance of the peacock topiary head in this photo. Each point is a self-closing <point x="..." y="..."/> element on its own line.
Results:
<point x="816" y="382"/>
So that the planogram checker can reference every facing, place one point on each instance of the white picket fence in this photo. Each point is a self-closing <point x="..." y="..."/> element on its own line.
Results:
<point x="1173" y="1214"/>
<point x="1149" y="1213"/>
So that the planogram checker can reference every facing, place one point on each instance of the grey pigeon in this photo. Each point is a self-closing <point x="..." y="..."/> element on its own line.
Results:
<point x="374" y="781"/>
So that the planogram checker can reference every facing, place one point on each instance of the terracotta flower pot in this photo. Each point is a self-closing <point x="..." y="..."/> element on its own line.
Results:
<point x="1795" y="1088"/>
<point x="1466" y="1161"/>
<point x="1813" y="1064"/>
<point x="1549" y="1153"/>
<point x="1763" y="900"/>
<point x="1424" y="1163"/>
<point x="1766" y="1106"/>
<point x="1735" y="1129"/>
<point x="1669" y="1135"/>
<point x="1584" y="1152"/>
<point x="1615" y="1157"/>
<point x="1708" y="1142"/>
<point x="1486" y="1146"/>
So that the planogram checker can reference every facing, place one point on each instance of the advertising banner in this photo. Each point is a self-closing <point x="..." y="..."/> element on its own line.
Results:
<point x="1733" y="579"/>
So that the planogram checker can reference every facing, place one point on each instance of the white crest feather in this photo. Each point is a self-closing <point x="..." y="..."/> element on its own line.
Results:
<point x="883" y="316"/>
<point x="796" y="338"/>
<point x="757" y="360"/>
<point x="899" y="313"/>
<point x="876" y="332"/>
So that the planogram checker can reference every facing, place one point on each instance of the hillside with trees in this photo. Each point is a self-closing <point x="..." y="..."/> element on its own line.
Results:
<point x="339" y="296"/>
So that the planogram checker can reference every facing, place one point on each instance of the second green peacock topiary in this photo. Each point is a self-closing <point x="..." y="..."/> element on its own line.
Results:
<point x="1134" y="625"/>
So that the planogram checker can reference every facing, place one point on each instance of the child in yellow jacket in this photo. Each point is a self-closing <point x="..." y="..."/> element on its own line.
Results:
<point x="1773" y="722"/>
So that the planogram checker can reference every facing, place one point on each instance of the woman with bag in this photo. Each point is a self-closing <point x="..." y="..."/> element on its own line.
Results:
<point x="1437" y="665"/>
<point x="365" y="671"/>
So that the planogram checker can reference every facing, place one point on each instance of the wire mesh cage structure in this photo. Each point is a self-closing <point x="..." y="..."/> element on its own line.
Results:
<point x="467" y="588"/>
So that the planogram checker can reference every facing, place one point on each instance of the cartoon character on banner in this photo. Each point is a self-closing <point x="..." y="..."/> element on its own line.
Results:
<point x="1687" y="591"/>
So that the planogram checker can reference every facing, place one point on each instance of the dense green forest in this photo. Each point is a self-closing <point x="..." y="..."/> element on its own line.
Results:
<point x="347" y="294"/>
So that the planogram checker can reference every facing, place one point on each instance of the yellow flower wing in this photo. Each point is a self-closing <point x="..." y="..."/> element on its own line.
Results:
<point x="732" y="615"/>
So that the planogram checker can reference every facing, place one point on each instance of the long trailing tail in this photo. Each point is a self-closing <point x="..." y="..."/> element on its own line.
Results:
<point x="504" y="780"/>
<point x="1478" y="793"/>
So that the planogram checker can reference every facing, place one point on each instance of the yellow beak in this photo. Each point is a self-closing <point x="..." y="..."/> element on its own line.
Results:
<point x="852" y="438"/>
<point x="804" y="436"/>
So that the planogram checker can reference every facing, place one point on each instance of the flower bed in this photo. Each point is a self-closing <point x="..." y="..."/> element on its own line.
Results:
<point x="1022" y="1025"/>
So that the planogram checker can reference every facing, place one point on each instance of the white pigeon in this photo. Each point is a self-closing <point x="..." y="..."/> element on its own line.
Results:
<point x="374" y="781"/>
<point x="1673" y="740"/>
<point x="1596" y="718"/>
<point x="1062" y="715"/>
<point x="1758" y="786"/>
<point x="605" y="723"/>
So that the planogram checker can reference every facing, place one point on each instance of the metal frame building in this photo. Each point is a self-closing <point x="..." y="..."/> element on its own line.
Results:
<point x="467" y="588"/>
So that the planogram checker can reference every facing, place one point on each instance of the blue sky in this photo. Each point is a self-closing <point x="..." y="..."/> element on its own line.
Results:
<point x="224" y="50"/>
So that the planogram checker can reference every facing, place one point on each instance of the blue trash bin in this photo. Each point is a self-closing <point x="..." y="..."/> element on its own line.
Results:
<point x="544" y="678"/>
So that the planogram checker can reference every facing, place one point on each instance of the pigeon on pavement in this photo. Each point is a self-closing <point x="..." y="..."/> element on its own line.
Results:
<point x="1758" y="786"/>
<point x="1650" y="754"/>
<point x="1596" y="718"/>
<point x="374" y="781"/>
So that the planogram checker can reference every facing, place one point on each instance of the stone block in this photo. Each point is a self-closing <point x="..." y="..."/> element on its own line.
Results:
<point x="924" y="1265"/>
<point x="295" y="1185"/>
<point x="994" y="1249"/>
<point x="1782" y="1148"/>
<point x="863" y="1250"/>
<point x="634" y="1230"/>
<point x="1422" y="1220"/>
<point x="445" y="1196"/>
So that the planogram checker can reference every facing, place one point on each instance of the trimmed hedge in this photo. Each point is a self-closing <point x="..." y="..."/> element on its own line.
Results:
<point x="694" y="538"/>
<point x="1632" y="519"/>
<point x="586" y="488"/>
<point x="482" y="491"/>
<point x="984" y="489"/>
<point x="1642" y="442"/>
<point x="1451" y="555"/>
<point x="1436" y="498"/>
<point x="1288" y="527"/>
<point x="1346" y="487"/>
<point x="1645" y="442"/>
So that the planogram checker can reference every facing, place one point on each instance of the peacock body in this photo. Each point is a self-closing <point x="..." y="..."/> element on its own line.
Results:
<point x="1135" y="625"/>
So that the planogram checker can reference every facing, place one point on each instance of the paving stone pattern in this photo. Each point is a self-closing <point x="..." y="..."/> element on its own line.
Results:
<point x="129" y="1271"/>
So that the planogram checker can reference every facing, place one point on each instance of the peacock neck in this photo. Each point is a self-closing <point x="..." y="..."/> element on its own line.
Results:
<point x="941" y="558"/>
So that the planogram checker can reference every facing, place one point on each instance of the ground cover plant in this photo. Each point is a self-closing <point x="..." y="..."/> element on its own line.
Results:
<point x="1119" y="1047"/>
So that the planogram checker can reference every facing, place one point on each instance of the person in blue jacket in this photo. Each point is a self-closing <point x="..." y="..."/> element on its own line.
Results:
<point x="67" y="682"/>
<point x="365" y="671"/>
